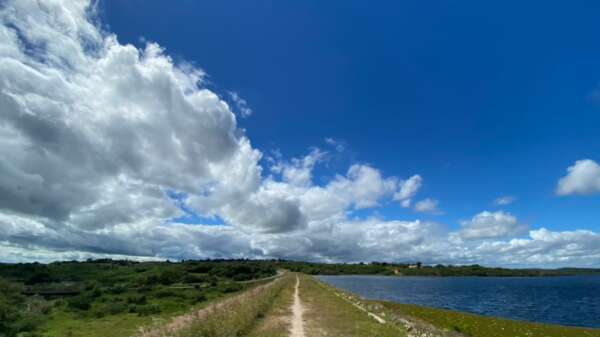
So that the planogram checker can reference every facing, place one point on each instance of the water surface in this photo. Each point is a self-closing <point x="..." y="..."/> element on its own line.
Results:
<point x="569" y="300"/>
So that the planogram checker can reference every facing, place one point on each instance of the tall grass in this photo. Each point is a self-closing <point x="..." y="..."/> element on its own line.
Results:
<point x="232" y="317"/>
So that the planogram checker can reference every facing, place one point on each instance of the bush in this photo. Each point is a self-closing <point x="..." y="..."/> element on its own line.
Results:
<point x="80" y="302"/>
<point x="200" y="268"/>
<point x="117" y="289"/>
<point x="233" y="317"/>
<point x="191" y="278"/>
<point x="169" y="277"/>
<point x="114" y="308"/>
<point x="230" y="287"/>
<point x="165" y="293"/>
<point x="200" y="297"/>
<point x="147" y="310"/>
<point x="39" y="277"/>
<point x="136" y="299"/>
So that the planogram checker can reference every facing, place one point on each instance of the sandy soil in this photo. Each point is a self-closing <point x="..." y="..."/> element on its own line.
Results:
<point x="297" y="309"/>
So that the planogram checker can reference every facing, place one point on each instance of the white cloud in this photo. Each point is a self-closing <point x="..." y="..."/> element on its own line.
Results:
<point x="582" y="178"/>
<point x="504" y="200"/>
<point x="241" y="104"/>
<point x="427" y="206"/>
<point x="491" y="225"/>
<point x="542" y="248"/>
<point x="338" y="145"/>
<point x="408" y="189"/>
<point x="97" y="137"/>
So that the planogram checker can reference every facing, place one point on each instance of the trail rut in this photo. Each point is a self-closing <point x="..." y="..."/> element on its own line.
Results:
<point x="297" y="310"/>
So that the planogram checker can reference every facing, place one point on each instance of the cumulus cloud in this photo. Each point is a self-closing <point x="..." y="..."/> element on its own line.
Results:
<point x="504" y="200"/>
<point x="582" y="178"/>
<point x="491" y="225"/>
<point x="427" y="206"/>
<point x="542" y="247"/>
<point x="104" y="145"/>
<point x="408" y="189"/>
<point x="98" y="136"/>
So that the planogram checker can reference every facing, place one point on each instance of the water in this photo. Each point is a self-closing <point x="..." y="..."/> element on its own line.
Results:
<point x="571" y="300"/>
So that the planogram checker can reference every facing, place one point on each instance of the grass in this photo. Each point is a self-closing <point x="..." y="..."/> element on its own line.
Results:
<point x="483" y="326"/>
<point x="170" y="302"/>
<point x="329" y="315"/>
<point x="89" y="298"/>
<point x="276" y="321"/>
<point x="235" y="316"/>
<point x="63" y="324"/>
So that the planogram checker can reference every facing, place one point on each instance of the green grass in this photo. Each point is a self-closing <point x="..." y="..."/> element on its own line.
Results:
<point x="63" y="324"/>
<point x="94" y="298"/>
<point x="276" y="321"/>
<point x="482" y="326"/>
<point x="329" y="315"/>
<point x="235" y="316"/>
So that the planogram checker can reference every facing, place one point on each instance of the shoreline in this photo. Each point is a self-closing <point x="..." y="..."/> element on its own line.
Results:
<point x="447" y="322"/>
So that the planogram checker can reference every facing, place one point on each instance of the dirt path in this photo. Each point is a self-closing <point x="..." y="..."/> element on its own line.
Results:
<point x="297" y="309"/>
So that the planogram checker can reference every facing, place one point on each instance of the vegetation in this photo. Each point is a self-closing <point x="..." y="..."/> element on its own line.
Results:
<point x="425" y="321"/>
<point x="65" y="299"/>
<point x="85" y="298"/>
<point x="417" y="269"/>
<point x="331" y="315"/>
<point x="275" y="322"/>
<point x="235" y="316"/>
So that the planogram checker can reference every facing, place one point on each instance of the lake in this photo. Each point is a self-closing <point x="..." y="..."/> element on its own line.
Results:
<point x="570" y="300"/>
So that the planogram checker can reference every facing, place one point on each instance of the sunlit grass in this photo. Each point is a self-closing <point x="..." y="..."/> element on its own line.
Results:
<point x="482" y="326"/>
<point x="232" y="317"/>
<point x="330" y="315"/>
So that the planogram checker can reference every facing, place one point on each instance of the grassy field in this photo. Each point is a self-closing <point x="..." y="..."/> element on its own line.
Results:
<point x="235" y="316"/>
<point x="87" y="299"/>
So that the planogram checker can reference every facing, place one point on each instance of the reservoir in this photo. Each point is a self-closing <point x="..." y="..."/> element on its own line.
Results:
<point x="568" y="300"/>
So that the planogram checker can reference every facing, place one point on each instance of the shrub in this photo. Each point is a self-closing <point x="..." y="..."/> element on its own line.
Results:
<point x="114" y="308"/>
<point x="80" y="302"/>
<point x="165" y="293"/>
<point x="232" y="317"/>
<point x="136" y="299"/>
<point x="200" y="297"/>
<point x="191" y="278"/>
<point x="39" y="277"/>
<point x="147" y="310"/>
<point x="230" y="287"/>
<point x="169" y="277"/>
<point x="117" y="289"/>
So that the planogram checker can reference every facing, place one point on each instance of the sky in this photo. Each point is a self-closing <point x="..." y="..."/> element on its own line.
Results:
<point x="441" y="132"/>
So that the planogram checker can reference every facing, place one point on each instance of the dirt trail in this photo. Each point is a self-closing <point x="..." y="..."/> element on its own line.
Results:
<point x="297" y="309"/>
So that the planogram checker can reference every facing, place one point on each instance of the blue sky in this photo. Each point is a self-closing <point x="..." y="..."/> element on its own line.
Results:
<point x="482" y="100"/>
<point x="308" y="130"/>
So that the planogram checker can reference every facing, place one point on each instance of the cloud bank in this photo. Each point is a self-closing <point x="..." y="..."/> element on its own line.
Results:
<point x="105" y="145"/>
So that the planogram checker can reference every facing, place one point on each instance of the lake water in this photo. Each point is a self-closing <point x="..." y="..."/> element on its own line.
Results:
<point x="572" y="300"/>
